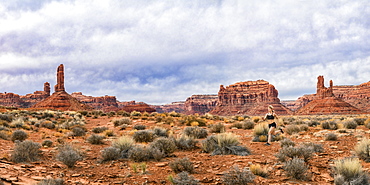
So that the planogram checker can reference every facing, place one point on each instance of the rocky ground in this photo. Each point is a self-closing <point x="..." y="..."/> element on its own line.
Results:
<point x="208" y="169"/>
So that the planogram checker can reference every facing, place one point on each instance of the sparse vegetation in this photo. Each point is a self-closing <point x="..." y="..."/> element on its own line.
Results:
<point x="331" y="137"/>
<point x="236" y="176"/>
<point x="185" y="143"/>
<point x="331" y="125"/>
<point x="139" y="127"/>
<point x="296" y="168"/>
<point x="165" y="145"/>
<point x="122" y="121"/>
<point x="69" y="155"/>
<point x="142" y="136"/>
<point x="110" y="153"/>
<point x="139" y="153"/>
<point x="98" y="130"/>
<point x="196" y="132"/>
<point x="349" y="171"/>
<point x="184" y="178"/>
<point x="256" y="169"/>
<point x="181" y="165"/>
<point x="286" y="143"/>
<point x="224" y="144"/>
<point x="217" y="128"/>
<point x="95" y="139"/>
<point x="51" y="182"/>
<point x="350" y="124"/>
<point x="362" y="150"/>
<point x="19" y="135"/>
<point x="27" y="151"/>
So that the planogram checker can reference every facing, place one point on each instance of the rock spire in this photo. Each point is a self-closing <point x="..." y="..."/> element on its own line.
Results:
<point x="60" y="79"/>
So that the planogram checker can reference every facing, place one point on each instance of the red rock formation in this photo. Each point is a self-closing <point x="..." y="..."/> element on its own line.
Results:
<point x="60" y="79"/>
<point x="104" y="103"/>
<point x="60" y="100"/>
<point x="15" y="100"/>
<point x="356" y="95"/>
<point x="135" y="106"/>
<point x="200" y="104"/>
<point x="248" y="98"/>
<point x="325" y="102"/>
<point x="174" y="106"/>
<point x="47" y="88"/>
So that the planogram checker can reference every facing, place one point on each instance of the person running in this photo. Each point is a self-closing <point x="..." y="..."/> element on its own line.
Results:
<point x="270" y="117"/>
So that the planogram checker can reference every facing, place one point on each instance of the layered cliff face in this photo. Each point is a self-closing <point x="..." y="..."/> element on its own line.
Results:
<point x="325" y="102"/>
<point x="248" y="98"/>
<point x="104" y="103"/>
<point x="178" y="107"/>
<point x="357" y="95"/>
<point x="135" y="106"/>
<point x="200" y="104"/>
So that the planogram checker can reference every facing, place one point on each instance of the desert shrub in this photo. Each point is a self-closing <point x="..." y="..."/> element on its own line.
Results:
<point x="195" y="132"/>
<point x="123" y="113"/>
<point x="68" y="155"/>
<point x="19" y="135"/>
<point x="180" y="165"/>
<point x="78" y="131"/>
<point x="184" y="178"/>
<point x="139" y="153"/>
<point x="51" y="182"/>
<point x="17" y="123"/>
<point x="121" y="121"/>
<point x="290" y="152"/>
<point x="362" y="149"/>
<point x="69" y="124"/>
<point x="360" y="121"/>
<point x="292" y="129"/>
<point x="165" y="145"/>
<point x="217" y="128"/>
<point x="258" y="170"/>
<point x="174" y="114"/>
<point x="236" y="176"/>
<point x="110" y="153"/>
<point x="313" y="123"/>
<point x="156" y="154"/>
<point x="123" y="143"/>
<point x="303" y="127"/>
<point x="331" y="137"/>
<point x="47" y="143"/>
<point x="4" y="135"/>
<point x="98" y="130"/>
<point x="142" y="136"/>
<point x="47" y="124"/>
<point x="313" y="146"/>
<point x="331" y="125"/>
<point x="27" y="151"/>
<point x="160" y="132"/>
<point x="135" y="114"/>
<point x="260" y="129"/>
<point x="95" y="139"/>
<point x="6" y="117"/>
<point x="224" y="144"/>
<point x="139" y="127"/>
<point x="237" y="125"/>
<point x="296" y="168"/>
<point x="108" y="133"/>
<point x="349" y="171"/>
<point x="286" y="143"/>
<point x="350" y="124"/>
<point x="248" y="124"/>
<point x="185" y="143"/>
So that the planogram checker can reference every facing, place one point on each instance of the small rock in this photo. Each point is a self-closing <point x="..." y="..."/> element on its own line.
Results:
<point x="37" y="178"/>
<point x="161" y="164"/>
<point x="75" y="175"/>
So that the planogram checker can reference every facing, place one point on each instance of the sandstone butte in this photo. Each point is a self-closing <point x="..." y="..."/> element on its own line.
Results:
<point x="248" y="98"/>
<point x="325" y="102"/>
<point x="200" y="104"/>
<point x="60" y="99"/>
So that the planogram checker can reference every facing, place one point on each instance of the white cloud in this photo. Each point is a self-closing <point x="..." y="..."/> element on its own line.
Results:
<point x="160" y="51"/>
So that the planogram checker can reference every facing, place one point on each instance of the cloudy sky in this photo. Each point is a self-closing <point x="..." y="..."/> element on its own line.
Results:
<point x="161" y="51"/>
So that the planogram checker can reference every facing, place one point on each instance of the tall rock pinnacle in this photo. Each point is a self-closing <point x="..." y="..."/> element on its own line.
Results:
<point x="60" y="79"/>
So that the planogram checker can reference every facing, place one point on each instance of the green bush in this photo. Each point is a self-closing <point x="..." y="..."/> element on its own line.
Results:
<point x="95" y="139"/>
<point x="296" y="168"/>
<point x="68" y="155"/>
<point x="236" y="176"/>
<point x="181" y="165"/>
<point x="26" y="151"/>
<point x="165" y="145"/>
<point x="19" y="135"/>
<point x="349" y="171"/>
<point x="195" y="132"/>
<point x="142" y="136"/>
<point x="184" y="178"/>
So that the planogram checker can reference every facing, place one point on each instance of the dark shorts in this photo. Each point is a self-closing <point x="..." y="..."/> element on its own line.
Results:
<point x="273" y="124"/>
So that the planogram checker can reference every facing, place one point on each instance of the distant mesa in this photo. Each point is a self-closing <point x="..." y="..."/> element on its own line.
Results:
<point x="200" y="104"/>
<point x="248" y="98"/>
<point x="325" y="102"/>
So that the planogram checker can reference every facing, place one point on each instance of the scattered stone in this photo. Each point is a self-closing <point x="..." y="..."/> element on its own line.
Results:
<point x="161" y="164"/>
<point x="75" y="175"/>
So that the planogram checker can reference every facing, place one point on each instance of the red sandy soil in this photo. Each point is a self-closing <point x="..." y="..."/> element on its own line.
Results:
<point x="209" y="169"/>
